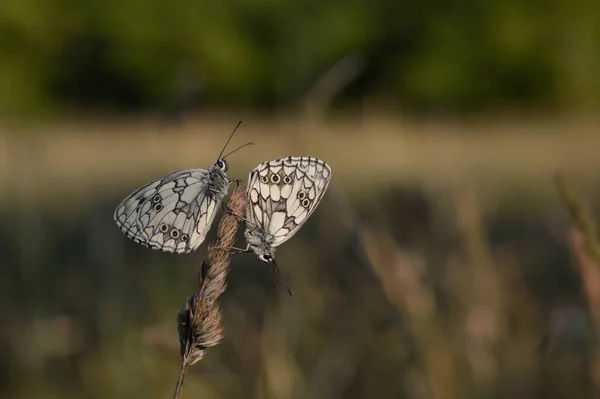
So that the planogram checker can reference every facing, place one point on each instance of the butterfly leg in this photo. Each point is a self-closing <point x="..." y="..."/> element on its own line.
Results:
<point x="227" y="209"/>
<point x="236" y="181"/>
<point x="235" y="250"/>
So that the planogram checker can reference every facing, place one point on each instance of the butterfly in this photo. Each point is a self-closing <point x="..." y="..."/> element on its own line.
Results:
<point x="175" y="212"/>
<point x="282" y="194"/>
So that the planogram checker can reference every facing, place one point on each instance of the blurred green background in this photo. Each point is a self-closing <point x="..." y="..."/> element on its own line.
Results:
<point x="440" y="264"/>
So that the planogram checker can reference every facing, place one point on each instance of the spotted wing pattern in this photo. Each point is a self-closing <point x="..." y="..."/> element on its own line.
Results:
<point x="171" y="214"/>
<point x="283" y="193"/>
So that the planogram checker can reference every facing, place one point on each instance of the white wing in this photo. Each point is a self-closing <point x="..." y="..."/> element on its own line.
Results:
<point x="283" y="193"/>
<point x="171" y="214"/>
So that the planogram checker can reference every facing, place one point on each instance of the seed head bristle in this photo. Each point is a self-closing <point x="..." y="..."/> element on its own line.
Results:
<point x="199" y="321"/>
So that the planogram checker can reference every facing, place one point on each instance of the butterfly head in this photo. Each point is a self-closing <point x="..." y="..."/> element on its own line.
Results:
<point x="222" y="165"/>
<point x="266" y="257"/>
<point x="257" y="242"/>
<point x="264" y="252"/>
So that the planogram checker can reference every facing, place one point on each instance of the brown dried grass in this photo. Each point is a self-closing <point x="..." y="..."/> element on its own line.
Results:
<point x="199" y="322"/>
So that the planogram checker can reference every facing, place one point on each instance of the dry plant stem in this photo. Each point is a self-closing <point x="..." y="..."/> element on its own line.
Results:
<point x="583" y="241"/>
<point x="199" y="322"/>
<point x="400" y="274"/>
<point x="180" y="380"/>
<point x="483" y="321"/>
<point x="318" y="100"/>
<point x="581" y="216"/>
<point x="584" y="244"/>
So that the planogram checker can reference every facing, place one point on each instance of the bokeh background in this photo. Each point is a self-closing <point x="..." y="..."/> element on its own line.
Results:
<point x="440" y="264"/>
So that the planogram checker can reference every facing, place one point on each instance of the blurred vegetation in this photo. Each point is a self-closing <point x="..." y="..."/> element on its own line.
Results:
<point x="433" y="55"/>
<point x="442" y="272"/>
<point x="440" y="264"/>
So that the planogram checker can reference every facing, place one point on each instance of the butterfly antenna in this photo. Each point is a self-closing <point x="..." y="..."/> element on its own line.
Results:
<point x="275" y="267"/>
<point x="273" y="270"/>
<point x="240" y="147"/>
<point x="229" y="139"/>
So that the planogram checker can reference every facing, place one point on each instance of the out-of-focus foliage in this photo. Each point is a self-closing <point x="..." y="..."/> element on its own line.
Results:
<point x="433" y="268"/>
<point x="440" y="263"/>
<point x="428" y="55"/>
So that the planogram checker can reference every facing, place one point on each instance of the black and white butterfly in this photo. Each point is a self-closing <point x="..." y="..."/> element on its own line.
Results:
<point x="282" y="194"/>
<point x="175" y="212"/>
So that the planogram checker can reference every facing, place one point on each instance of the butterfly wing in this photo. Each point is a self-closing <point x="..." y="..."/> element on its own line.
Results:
<point x="283" y="193"/>
<point x="172" y="214"/>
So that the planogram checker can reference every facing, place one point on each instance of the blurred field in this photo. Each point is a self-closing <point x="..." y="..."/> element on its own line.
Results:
<point x="76" y="159"/>
<point x="442" y="262"/>
<point x="439" y="264"/>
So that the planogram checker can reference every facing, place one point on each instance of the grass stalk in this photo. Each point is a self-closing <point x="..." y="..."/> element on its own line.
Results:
<point x="199" y="322"/>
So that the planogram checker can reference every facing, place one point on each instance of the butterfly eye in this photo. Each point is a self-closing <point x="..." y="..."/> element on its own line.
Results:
<point x="174" y="233"/>
<point x="267" y="257"/>
<point x="156" y="198"/>
<point x="221" y="164"/>
<point x="287" y="180"/>
<point x="184" y="237"/>
<point x="301" y="195"/>
<point x="275" y="179"/>
<point x="158" y="207"/>
<point x="164" y="228"/>
<point x="264" y="179"/>
<point x="305" y="202"/>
